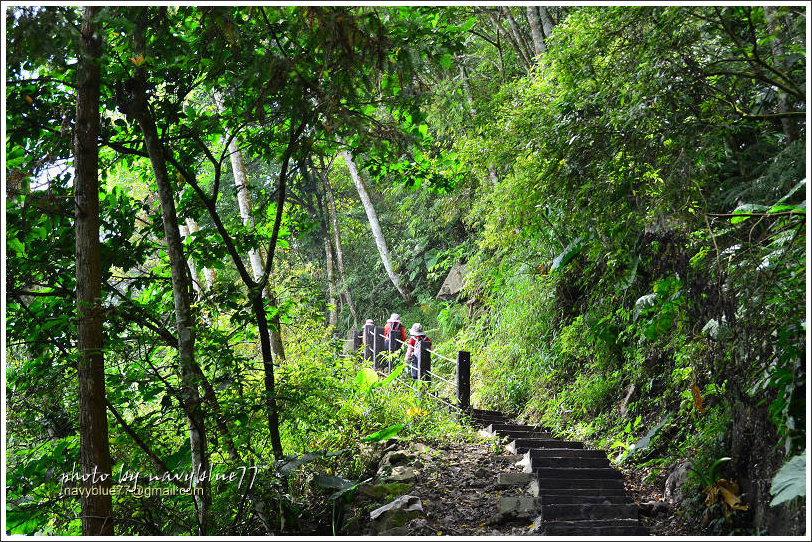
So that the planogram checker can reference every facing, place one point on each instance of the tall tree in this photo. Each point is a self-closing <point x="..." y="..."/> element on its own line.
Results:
<point x="97" y="509"/>
<point x="375" y="226"/>
<point x="329" y="263"/>
<point x="209" y="275"/>
<point x="777" y="48"/>
<point x="339" y="253"/>
<point x="189" y="371"/>
<point x="536" y="29"/>
<point x="246" y="205"/>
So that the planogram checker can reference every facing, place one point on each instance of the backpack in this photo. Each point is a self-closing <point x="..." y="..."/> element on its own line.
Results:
<point x="396" y="326"/>
<point x="418" y="340"/>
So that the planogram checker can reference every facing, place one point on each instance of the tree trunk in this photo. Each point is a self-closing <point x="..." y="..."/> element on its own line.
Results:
<point x="94" y="444"/>
<point x="789" y="125"/>
<point x="523" y="46"/>
<point x="209" y="275"/>
<point x="331" y="207"/>
<point x="547" y="22"/>
<point x="180" y="289"/>
<point x="331" y="281"/>
<point x="516" y="46"/>
<point x="329" y="262"/>
<point x="184" y="233"/>
<point x="375" y="226"/>
<point x="255" y="256"/>
<point x="267" y="363"/>
<point x="534" y="19"/>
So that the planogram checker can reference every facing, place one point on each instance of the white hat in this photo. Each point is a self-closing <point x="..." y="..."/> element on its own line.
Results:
<point x="369" y="322"/>
<point x="416" y="329"/>
<point x="394" y="318"/>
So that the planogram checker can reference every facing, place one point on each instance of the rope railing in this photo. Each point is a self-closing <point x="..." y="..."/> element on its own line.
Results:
<point x="415" y="389"/>
<point x="380" y="352"/>
<point x="438" y="377"/>
<point x="439" y="355"/>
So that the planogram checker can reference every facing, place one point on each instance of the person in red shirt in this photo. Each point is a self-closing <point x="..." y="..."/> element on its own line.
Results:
<point x="394" y="324"/>
<point x="417" y="335"/>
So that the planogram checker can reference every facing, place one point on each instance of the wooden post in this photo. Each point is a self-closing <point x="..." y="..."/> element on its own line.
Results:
<point x="423" y="361"/>
<point x="377" y="346"/>
<point x="369" y="330"/>
<point x="393" y="347"/>
<point x="464" y="379"/>
<point x="357" y="339"/>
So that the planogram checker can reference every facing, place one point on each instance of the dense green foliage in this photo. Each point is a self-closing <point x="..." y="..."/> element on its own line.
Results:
<point x="630" y="207"/>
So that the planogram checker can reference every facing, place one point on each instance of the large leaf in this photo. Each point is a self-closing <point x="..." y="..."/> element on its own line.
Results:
<point x="789" y="481"/>
<point x="328" y="481"/>
<point x="396" y="372"/>
<point x="384" y="434"/>
<point x="289" y="466"/>
<point x="567" y="254"/>
<point x="646" y="440"/>
<point x="365" y="378"/>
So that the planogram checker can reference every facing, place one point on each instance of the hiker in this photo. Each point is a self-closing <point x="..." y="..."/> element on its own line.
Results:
<point x="394" y="325"/>
<point x="417" y="336"/>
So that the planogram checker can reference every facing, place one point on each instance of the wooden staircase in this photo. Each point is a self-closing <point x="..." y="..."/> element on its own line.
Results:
<point x="576" y="491"/>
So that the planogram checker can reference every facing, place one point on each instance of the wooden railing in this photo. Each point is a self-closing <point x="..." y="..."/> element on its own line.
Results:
<point x="372" y="340"/>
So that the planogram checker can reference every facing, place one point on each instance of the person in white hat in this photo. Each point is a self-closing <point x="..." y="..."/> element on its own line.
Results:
<point x="394" y="324"/>
<point x="417" y="336"/>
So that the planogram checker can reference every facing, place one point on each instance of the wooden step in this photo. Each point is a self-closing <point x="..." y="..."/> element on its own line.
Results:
<point x="479" y="411"/>
<point x="484" y="421"/>
<point x="569" y="462"/>
<point x="589" y="511"/>
<point x="576" y="473"/>
<point x="556" y="482"/>
<point x="522" y="445"/>
<point x="613" y="527"/>
<point x="563" y="453"/>
<point x="496" y="427"/>
<point x="513" y="435"/>
<point x="568" y="497"/>
<point x="551" y="493"/>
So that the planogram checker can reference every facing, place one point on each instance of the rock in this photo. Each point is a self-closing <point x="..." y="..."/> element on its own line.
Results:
<point x="535" y="527"/>
<point x="402" y="473"/>
<point x="422" y="448"/>
<point x="509" y="458"/>
<point x="396" y="513"/>
<point x="507" y="479"/>
<point x="453" y="282"/>
<point x="411" y="528"/>
<point x="674" y="493"/>
<point x="395" y="457"/>
<point x="517" y="505"/>
<point x="383" y="491"/>
<point x="652" y="508"/>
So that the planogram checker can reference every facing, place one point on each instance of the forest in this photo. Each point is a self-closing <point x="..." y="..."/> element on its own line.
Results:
<point x="201" y="203"/>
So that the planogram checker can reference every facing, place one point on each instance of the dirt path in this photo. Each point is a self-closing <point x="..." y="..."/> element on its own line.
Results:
<point x="457" y="487"/>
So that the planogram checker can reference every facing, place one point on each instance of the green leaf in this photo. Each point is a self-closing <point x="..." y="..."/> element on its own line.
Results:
<point x="644" y="442"/>
<point x="289" y="466"/>
<point x="383" y="434"/>
<point x="567" y="254"/>
<point x="16" y="245"/>
<point x="365" y="378"/>
<point x="396" y="372"/>
<point x="328" y="481"/>
<point x="789" y="481"/>
<point x="746" y="209"/>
